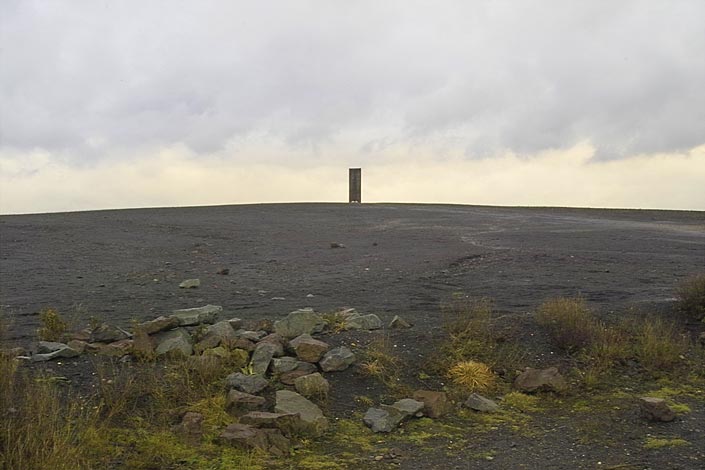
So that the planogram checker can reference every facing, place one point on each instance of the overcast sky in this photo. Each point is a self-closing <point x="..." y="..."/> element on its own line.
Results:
<point x="107" y="104"/>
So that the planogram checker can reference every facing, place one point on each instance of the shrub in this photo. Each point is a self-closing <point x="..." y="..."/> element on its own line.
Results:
<point x="658" y="345"/>
<point x="570" y="323"/>
<point x="53" y="325"/>
<point x="471" y="375"/>
<point x="380" y="361"/>
<point x="691" y="297"/>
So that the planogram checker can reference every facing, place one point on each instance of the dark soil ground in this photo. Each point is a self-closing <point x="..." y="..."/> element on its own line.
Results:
<point x="126" y="265"/>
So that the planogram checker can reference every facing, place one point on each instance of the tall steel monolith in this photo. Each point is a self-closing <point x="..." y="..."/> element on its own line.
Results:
<point x="355" y="176"/>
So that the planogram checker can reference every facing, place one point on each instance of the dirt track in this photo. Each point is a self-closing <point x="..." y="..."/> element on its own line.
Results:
<point x="127" y="264"/>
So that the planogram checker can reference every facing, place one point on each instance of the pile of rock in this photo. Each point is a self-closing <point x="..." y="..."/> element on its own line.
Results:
<point x="386" y="418"/>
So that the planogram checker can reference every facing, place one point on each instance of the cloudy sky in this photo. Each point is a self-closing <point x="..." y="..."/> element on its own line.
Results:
<point x="117" y="103"/>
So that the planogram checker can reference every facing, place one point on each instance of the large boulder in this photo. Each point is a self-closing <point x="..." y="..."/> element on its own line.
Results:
<point x="311" y="417"/>
<point x="247" y="383"/>
<point x="336" y="359"/>
<point x="534" y="380"/>
<point x="299" y="322"/>
<point x="197" y="315"/>
<point x="173" y="342"/>
<point x="307" y="348"/>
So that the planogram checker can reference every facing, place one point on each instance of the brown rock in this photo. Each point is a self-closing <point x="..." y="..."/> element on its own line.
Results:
<point x="656" y="409"/>
<point x="286" y="422"/>
<point x="436" y="404"/>
<point x="158" y="324"/>
<point x="190" y="428"/>
<point x="289" y="378"/>
<point x="237" y="402"/>
<point x="242" y="343"/>
<point x="77" y="345"/>
<point x="308" y="349"/>
<point x="116" y="348"/>
<point x="244" y="436"/>
<point x="533" y="380"/>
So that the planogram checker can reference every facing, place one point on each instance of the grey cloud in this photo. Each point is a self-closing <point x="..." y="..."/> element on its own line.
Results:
<point x="80" y="78"/>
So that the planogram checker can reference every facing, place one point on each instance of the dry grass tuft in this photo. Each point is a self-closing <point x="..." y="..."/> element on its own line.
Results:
<point x="471" y="375"/>
<point x="570" y="323"/>
<point x="53" y="325"/>
<point x="691" y="297"/>
<point x="380" y="362"/>
<point x="658" y="345"/>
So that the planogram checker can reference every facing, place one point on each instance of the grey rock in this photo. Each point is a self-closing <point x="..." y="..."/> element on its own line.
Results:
<point x="408" y="406"/>
<point x="247" y="383"/>
<point x="65" y="352"/>
<point x="215" y="335"/>
<point x="363" y="322"/>
<point x="190" y="284"/>
<point x="312" y="386"/>
<point x="399" y="323"/>
<point x="656" y="409"/>
<point x="173" y="342"/>
<point x="236" y="323"/>
<point x="299" y="322"/>
<point x="284" y="364"/>
<point x="383" y="419"/>
<point x="479" y="403"/>
<point x="307" y="348"/>
<point x="253" y="336"/>
<point x="311" y="417"/>
<point x="158" y="324"/>
<point x="247" y="437"/>
<point x="337" y="359"/>
<point x="287" y="423"/>
<point x="262" y="356"/>
<point x="533" y="380"/>
<point x="237" y="401"/>
<point x="197" y="315"/>
<point x="45" y="347"/>
<point x="107" y="334"/>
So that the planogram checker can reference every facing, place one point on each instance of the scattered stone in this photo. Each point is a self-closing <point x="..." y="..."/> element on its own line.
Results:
<point x="107" y="334"/>
<point x="244" y="436"/>
<point x="533" y="380"/>
<point x="363" y="322"/>
<point x="311" y="417"/>
<point x="223" y="271"/>
<point x="289" y="378"/>
<point x="436" y="404"/>
<point x="399" y="323"/>
<point x="215" y="335"/>
<point x="479" y="403"/>
<point x="161" y="323"/>
<point x="44" y="347"/>
<point x="299" y="322"/>
<point x="197" y="315"/>
<point x="383" y="419"/>
<point x="308" y="349"/>
<point x="65" y="352"/>
<point x="285" y="422"/>
<point x="116" y="348"/>
<point x="251" y="384"/>
<point x="262" y="356"/>
<point x="408" y="407"/>
<point x="190" y="284"/>
<point x="238" y="401"/>
<point x="312" y="386"/>
<point x="190" y="428"/>
<point x="656" y="409"/>
<point x="337" y="359"/>
<point x="337" y="245"/>
<point x="173" y="342"/>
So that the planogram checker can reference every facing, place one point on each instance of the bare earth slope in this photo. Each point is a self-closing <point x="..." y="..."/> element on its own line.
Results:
<point x="398" y="259"/>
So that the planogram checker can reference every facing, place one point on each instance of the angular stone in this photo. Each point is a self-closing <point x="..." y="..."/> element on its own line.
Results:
<point x="262" y="356"/>
<point x="287" y="423"/>
<point x="533" y="380"/>
<point x="479" y="403"/>
<point x="299" y="322"/>
<point x="215" y="335"/>
<point x="275" y="340"/>
<point x="246" y="437"/>
<point x="190" y="284"/>
<point x="289" y="378"/>
<point x="249" y="335"/>
<point x="383" y="419"/>
<point x="284" y="364"/>
<point x="173" y="342"/>
<point x="190" y="428"/>
<point x="312" y="386"/>
<point x="308" y="349"/>
<point x="363" y="322"/>
<point x="399" y="323"/>
<point x="238" y="401"/>
<point x="656" y="409"/>
<point x="197" y="315"/>
<point x="44" y="347"/>
<point x="65" y="352"/>
<point x="107" y="334"/>
<point x="246" y="344"/>
<point x="251" y="384"/>
<point x="161" y="323"/>
<point x="311" y="417"/>
<point x="436" y="404"/>
<point x="408" y="407"/>
<point x="116" y="348"/>
<point x="336" y="359"/>
<point x="236" y="323"/>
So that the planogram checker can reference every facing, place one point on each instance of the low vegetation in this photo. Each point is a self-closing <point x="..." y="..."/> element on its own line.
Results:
<point x="53" y="325"/>
<point x="691" y="297"/>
